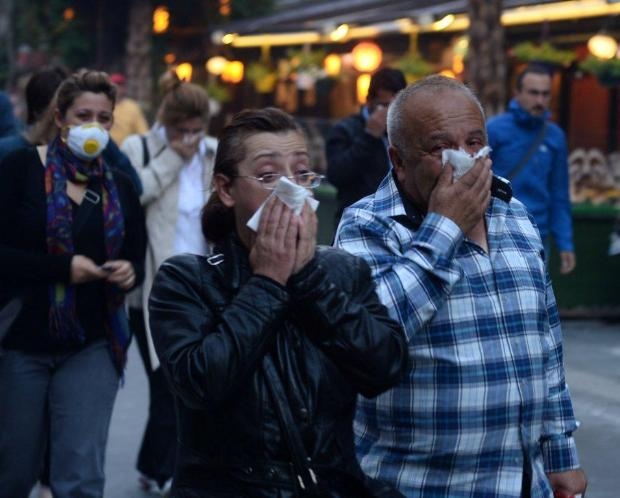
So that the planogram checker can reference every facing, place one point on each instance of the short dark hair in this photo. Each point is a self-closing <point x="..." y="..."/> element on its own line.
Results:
<point x="218" y="220"/>
<point x="40" y="90"/>
<point x="533" y="68"/>
<point x="392" y="80"/>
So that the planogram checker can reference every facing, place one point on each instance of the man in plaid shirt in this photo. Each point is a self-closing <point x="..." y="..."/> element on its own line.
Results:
<point x="485" y="411"/>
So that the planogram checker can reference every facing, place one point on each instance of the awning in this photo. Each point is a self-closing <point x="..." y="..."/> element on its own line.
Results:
<point x="317" y="21"/>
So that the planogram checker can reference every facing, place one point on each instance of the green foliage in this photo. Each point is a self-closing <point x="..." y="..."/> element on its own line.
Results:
<point x="218" y="92"/>
<point x="414" y="65"/>
<point x="74" y="48"/>
<point x="306" y="59"/>
<point x="606" y="70"/>
<point x="42" y="27"/>
<point x="256" y="71"/>
<point x="97" y="35"/>
<point x="543" y="52"/>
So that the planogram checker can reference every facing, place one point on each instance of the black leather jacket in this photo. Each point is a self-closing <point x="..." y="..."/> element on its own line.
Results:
<point x="330" y="338"/>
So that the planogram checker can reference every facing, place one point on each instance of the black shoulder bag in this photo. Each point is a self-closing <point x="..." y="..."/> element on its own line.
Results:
<point x="530" y="152"/>
<point x="309" y="484"/>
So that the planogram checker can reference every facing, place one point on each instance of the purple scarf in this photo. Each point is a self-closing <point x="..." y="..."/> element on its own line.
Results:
<point x="62" y="165"/>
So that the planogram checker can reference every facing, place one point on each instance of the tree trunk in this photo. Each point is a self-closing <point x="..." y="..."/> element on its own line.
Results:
<point x="138" y="61"/>
<point x="485" y="64"/>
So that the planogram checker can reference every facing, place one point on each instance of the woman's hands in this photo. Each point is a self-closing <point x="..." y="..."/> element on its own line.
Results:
<point x="306" y="241"/>
<point x="186" y="147"/>
<point x="119" y="272"/>
<point x="285" y="242"/>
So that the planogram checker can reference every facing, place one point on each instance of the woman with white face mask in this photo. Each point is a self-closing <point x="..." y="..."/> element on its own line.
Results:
<point x="174" y="161"/>
<point x="71" y="246"/>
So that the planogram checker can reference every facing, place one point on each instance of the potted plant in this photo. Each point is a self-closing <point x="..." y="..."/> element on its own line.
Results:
<point x="263" y="77"/>
<point x="306" y="66"/>
<point x="607" y="71"/>
<point x="544" y="53"/>
<point x="219" y="93"/>
<point x="414" y="67"/>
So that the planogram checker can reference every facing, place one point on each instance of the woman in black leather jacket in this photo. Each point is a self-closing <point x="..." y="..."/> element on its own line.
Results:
<point x="268" y="297"/>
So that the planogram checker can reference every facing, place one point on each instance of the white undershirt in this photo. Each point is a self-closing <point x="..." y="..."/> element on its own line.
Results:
<point x="188" y="234"/>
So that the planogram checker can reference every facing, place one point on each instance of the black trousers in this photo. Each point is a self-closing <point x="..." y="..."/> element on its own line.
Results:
<point x="159" y="443"/>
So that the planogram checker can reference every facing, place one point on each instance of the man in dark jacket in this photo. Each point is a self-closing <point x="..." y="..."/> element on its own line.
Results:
<point x="8" y="123"/>
<point x="356" y="147"/>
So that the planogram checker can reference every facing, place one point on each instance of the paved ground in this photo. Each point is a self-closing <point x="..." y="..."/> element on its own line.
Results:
<point x="592" y="359"/>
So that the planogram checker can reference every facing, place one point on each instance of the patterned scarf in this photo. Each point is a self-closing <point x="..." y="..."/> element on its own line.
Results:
<point x="62" y="165"/>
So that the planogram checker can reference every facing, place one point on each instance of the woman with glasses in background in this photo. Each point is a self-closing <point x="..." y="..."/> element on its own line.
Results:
<point x="175" y="163"/>
<point x="268" y="304"/>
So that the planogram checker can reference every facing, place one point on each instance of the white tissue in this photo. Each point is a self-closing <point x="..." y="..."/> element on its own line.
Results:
<point x="461" y="160"/>
<point x="293" y="195"/>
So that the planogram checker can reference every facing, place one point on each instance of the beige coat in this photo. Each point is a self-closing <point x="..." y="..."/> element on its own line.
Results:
<point x="160" y="199"/>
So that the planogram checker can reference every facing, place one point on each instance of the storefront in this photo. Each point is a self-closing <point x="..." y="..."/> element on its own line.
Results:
<point x="287" y="53"/>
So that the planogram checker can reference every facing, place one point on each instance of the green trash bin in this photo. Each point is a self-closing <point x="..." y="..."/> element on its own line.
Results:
<point x="326" y="195"/>
<point x="593" y="288"/>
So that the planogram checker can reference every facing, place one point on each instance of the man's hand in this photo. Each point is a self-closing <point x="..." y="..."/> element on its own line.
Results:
<point x="569" y="483"/>
<point x="377" y="122"/>
<point x="465" y="200"/>
<point x="568" y="261"/>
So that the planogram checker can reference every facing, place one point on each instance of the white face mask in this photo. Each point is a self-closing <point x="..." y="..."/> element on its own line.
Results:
<point x="87" y="141"/>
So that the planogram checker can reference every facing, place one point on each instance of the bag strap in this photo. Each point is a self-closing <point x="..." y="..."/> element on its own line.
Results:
<point x="530" y="152"/>
<point x="89" y="201"/>
<point x="146" y="156"/>
<point x="301" y="461"/>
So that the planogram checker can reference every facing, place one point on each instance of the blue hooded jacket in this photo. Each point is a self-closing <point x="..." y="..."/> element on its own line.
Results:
<point x="542" y="185"/>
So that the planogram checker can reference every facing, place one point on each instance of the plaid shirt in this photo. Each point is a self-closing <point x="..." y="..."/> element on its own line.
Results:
<point x="486" y="396"/>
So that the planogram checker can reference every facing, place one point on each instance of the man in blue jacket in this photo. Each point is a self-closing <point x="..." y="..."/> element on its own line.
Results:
<point x="531" y="152"/>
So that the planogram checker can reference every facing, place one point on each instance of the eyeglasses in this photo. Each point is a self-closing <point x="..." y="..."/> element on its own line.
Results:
<point x="269" y="181"/>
